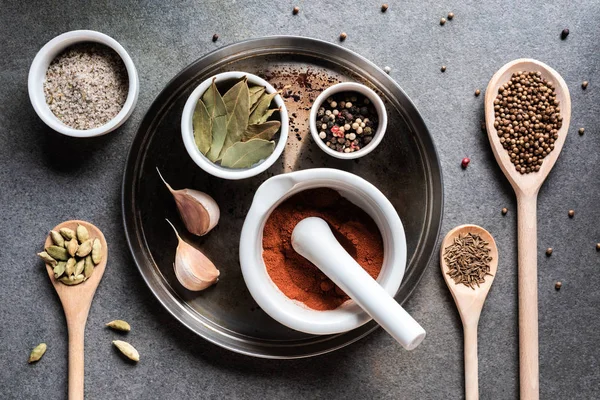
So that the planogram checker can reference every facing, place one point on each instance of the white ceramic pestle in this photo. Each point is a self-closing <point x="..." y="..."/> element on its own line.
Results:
<point x="312" y="238"/>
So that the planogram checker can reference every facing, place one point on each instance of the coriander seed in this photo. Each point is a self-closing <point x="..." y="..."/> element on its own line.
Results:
<point x="564" y="34"/>
<point x="384" y="7"/>
<point x="450" y="15"/>
<point x="549" y="251"/>
<point x="581" y="131"/>
<point x="296" y="10"/>
<point x="442" y="21"/>
<point x="443" y="69"/>
<point x="343" y="36"/>
<point x="215" y="37"/>
<point x="558" y="285"/>
<point x="477" y="92"/>
<point x="571" y="213"/>
<point x="597" y="246"/>
<point x="504" y="211"/>
<point x="584" y="85"/>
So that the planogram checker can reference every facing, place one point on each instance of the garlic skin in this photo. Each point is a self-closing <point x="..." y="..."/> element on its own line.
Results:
<point x="193" y="269"/>
<point x="199" y="212"/>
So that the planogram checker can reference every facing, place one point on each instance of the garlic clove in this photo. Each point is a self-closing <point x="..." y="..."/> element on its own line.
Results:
<point x="192" y="268"/>
<point x="199" y="212"/>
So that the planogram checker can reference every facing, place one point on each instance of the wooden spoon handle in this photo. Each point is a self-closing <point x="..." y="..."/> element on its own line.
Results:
<point x="76" y="336"/>
<point x="528" y="303"/>
<point x="471" y="364"/>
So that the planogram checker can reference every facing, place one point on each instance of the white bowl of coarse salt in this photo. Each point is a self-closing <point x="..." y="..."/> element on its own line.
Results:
<point x="83" y="84"/>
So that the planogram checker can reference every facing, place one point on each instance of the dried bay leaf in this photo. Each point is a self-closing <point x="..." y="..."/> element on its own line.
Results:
<point x="267" y="115"/>
<point x="217" y="113"/>
<point x="261" y="108"/>
<point x="246" y="154"/>
<point x="255" y="93"/>
<point x="202" y="127"/>
<point x="237" y="103"/>
<point x="264" y="131"/>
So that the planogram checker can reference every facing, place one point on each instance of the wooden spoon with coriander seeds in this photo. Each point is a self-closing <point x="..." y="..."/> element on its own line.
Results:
<point x="76" y="301"/>
<point x="469" y="300"/>
<point x="526" y="187"/>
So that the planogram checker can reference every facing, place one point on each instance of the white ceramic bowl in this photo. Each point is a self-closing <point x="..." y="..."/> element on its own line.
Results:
<point x="349" y="87"/>
<point x="187" y="129"/>
<point x="37" y="74"/>
<point x="268" y="296"/>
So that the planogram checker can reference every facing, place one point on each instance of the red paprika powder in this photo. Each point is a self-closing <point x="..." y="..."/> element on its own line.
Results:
<point x="297" y="277"/>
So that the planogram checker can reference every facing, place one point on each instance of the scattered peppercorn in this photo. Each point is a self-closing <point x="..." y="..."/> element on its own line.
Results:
<point x="387" y="69"/>
<point x="584" y="85"/>
<point x="442" y="21"/>
<point x="215" y="37"/>
<point x="597" y="246"/>
<point x="296" y="10"/>
<point x="549" y="251"/>
<point x="465" y="162"/>
<point x="581" y="131"/>
<point x="443" y="69"/>
<point x="571" y="213"/>
<point x="527" y="119"/>
<point x="343" y="36"/>
<point x="504" y="211"/>
<point x="564" y="34"/>
<point x="450" y="15"/>
<point x="384" y="7"/>
<point x="558" y="285"/>
<point x="347" y="122"/>
<point x="477" y="92"/>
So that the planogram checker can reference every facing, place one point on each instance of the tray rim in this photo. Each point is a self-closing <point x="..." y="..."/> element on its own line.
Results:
<point x="431" y="166"/>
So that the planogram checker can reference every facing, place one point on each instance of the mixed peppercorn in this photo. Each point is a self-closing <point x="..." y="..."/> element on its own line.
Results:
<point x="346" y="122"/>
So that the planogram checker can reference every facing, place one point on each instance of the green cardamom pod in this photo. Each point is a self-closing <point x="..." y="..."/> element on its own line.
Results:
<point x="119" y="325"/>
<point x="70" y="267"/>
<point x="82" y="233"/>
<point x="72" y="247"/>
<point x="128" y="350"/>
<point x="59" y="269"/>
<point x="70" y="281"/>
<point x="96" y="251"/>
<point x="79" y="267"/>
<point x="67" y="233"/>
<point x="37" y="352"/>
<point x="47" y="259"/>
<point x="89" y="267"/>
<point x="57" y="239"/>
<point x="85" y="248"/>
<point x="58" y="253"/>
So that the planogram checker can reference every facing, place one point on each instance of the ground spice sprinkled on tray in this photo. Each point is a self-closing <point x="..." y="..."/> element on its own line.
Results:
<point x="468" y="260"/>
<point x="86" y="85"/>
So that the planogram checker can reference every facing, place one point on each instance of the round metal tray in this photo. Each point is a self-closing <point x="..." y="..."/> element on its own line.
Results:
<point x="405" y="167"/>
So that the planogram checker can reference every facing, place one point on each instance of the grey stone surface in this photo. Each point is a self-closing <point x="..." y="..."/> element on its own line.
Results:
<point x="46" y="178"/>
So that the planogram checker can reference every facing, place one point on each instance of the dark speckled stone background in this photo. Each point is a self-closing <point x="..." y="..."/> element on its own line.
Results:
<point x="46" y="178"/>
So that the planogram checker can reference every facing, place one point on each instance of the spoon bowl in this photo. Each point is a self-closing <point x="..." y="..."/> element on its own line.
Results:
<point x="76" y="301"/>
<point x="526" y="187"/>
<point x="469" y="302"/>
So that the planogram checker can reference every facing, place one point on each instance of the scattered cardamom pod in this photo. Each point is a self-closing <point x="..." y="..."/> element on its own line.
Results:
<point x="96" y="251"/>
<point x="72" y="280"/>
<point x="119" y="325"/>
<point x="37" y="352"/>
<point x="128" y="350"/>
<point x="85" y="248"/>
<point x="79" y="267"/>
<point x="58" y="253"/>
<point x="72" y="247"/>
<point x="67" y="233"/>
<point x="82" y="233"/>
<point x="70" y="267"/>
<point x="47" y="259"/>
<point x="89" y="267"/>
<point x="59" y="269"/>
<point x="57" y="239"/>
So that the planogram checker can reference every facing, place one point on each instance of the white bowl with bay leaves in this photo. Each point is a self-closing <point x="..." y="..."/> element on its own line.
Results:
<point x="234" y="125"/>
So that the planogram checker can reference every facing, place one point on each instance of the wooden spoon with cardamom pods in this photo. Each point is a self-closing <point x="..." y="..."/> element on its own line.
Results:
<point x="526" y="187"/>
<point x="76" y="301"/>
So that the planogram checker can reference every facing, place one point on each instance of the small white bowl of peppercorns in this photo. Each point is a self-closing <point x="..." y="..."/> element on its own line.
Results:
<point x="348" y="120"/>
